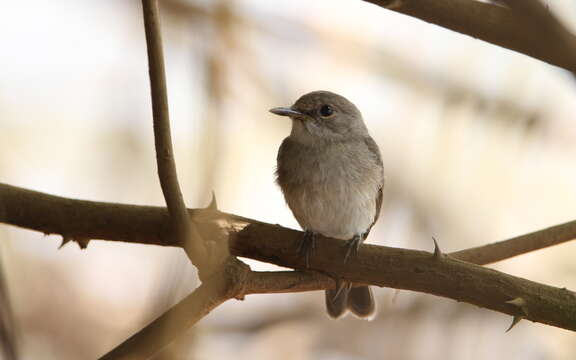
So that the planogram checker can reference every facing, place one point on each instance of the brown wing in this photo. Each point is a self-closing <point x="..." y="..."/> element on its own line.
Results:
<point x="373" y="147"/>
<point x="285" y="151"/>
<point x="378" y="207"/>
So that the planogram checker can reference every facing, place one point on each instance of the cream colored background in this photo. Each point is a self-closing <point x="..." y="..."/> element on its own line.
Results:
<point x="478" y="144"/>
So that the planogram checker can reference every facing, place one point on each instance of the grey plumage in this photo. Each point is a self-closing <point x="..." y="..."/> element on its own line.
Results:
<point x="330" y="171"/>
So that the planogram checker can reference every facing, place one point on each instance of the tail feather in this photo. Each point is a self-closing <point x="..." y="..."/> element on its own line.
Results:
<point x="361" y="302"/>
<point x="336" y="305"/>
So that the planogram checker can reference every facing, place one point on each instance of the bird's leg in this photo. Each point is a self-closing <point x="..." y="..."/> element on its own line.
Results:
<point x="307" y="245"/>
<point x="352" y="246"/>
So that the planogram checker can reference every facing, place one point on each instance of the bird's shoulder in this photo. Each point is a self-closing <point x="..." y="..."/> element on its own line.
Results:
<point x="287" y="158"/>
<point x="286" y="146"/>
<point x="373" y="149"/>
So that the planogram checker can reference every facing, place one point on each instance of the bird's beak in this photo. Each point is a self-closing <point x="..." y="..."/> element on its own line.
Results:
<point x="284" y="111"/>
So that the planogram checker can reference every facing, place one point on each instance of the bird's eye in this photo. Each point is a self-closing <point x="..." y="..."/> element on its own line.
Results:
<point x="326" y="110"/>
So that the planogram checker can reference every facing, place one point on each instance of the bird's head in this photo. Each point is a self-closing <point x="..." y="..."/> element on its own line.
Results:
<point x="323" y="115"/>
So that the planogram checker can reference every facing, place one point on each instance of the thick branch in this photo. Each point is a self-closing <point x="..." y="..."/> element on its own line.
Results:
<point x="495" y="24"/>
<point x="415" y="270"/>
<point x="378" y="265"/>
<point x="82" y="219"/>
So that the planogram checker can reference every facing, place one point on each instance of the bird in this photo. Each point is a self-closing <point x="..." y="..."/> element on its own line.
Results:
<point x="331" y="173"/>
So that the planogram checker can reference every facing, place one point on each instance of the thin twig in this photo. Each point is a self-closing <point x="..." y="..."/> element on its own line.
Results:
<point x="162" y="138"/>
<point x="505" y="249"/>
<point x="150" y="339"/>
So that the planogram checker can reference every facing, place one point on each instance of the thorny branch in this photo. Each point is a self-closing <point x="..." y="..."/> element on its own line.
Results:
<point x="378" y="265"/>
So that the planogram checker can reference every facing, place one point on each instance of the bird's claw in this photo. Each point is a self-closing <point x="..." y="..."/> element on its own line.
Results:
<point x="306" y="246"/>
<point x="340" y="286"/>
<point x="353" y="245"/>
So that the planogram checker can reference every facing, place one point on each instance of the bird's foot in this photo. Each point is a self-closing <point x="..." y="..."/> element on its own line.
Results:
<point x="352" y="246"/>
<point x="307" y="245"/>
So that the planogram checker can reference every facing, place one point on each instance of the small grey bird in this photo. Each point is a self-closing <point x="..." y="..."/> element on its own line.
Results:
<point x="331" y="173"/>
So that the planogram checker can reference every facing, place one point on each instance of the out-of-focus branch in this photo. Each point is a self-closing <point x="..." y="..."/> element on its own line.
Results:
<point x="505" y="249"/>
<point x="550" y="35"/>
<point x="492" y="23"/>
<point x="378" y="265"/>
<point x="235" y="282"/>
<point x="8" y="338"/>
<point x="167" y="174"/>
<point x="213" y="292"/>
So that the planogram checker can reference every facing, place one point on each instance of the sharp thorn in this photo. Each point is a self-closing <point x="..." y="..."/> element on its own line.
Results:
<point x="515" y="321"/>
<point x="437" y="252"/>
<point x="65" y="240"/>
<point x="213" y="203"/>
<point x="82" y="243"/>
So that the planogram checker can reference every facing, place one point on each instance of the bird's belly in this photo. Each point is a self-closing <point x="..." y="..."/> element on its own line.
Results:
<point x="337" y="209"/>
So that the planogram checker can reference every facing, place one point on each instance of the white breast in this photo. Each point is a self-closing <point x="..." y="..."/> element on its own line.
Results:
<point x="336" y="192"/>
<point x="339" y="209"/>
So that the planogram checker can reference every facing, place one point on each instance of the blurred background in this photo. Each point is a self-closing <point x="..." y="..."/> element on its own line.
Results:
<point x="478" y="145"/>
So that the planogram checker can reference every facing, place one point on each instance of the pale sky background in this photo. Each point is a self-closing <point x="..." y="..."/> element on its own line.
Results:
<point x="75" y="120"/>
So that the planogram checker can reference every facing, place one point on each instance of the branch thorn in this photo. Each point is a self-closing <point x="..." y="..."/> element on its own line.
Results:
<point x="438" y="254"/>
<point x="65" y="240"/>
<point x="82" y="242"/>
<point x="515" y="321"/>
<point x="520" y="303"/>
<point x="213" y="204"/>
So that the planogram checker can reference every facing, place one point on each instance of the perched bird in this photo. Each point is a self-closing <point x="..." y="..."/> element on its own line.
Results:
<point x="331" y="174"/>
